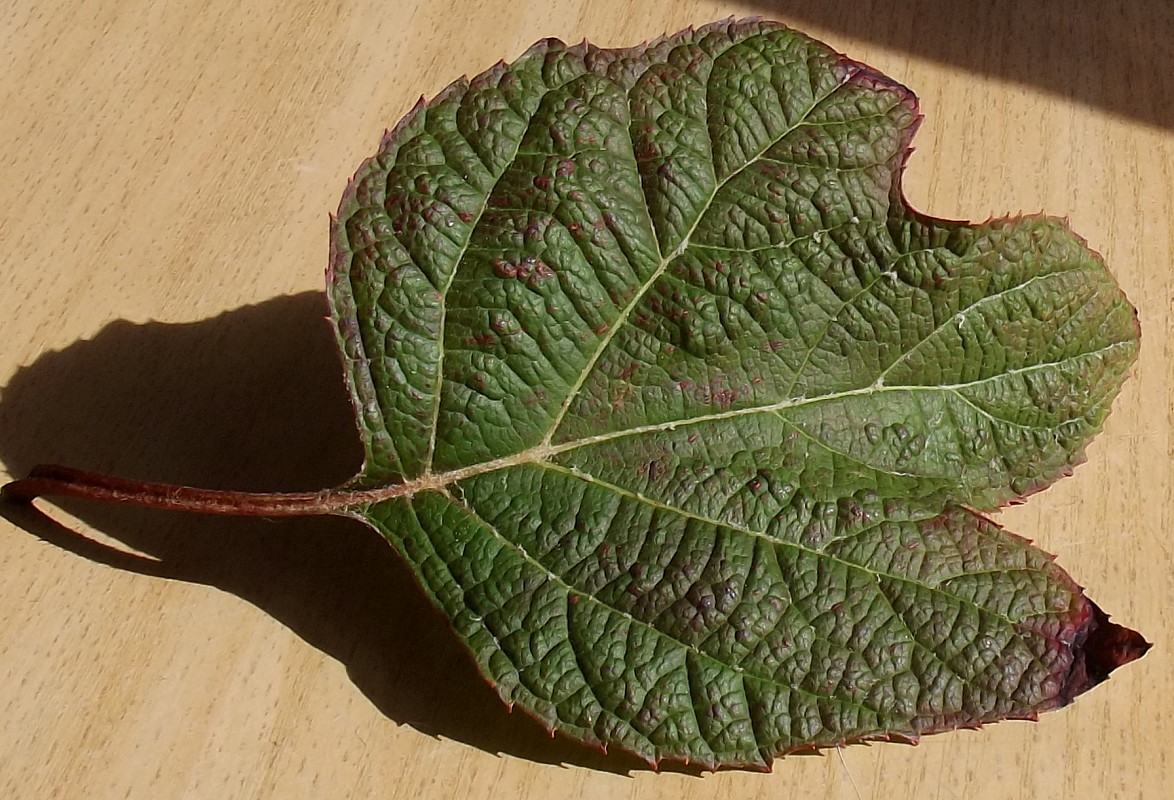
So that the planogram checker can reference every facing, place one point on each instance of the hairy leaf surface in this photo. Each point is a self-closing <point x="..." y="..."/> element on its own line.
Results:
<point x="680" y="411"/>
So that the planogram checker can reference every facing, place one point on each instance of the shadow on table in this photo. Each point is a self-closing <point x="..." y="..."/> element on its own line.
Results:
<point x="1117" y="56"/>
<point x="254" y="399"/>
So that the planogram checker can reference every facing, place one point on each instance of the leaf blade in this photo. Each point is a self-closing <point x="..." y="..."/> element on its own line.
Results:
<point x="902" y="674"/>
<point x="691" y="349"/>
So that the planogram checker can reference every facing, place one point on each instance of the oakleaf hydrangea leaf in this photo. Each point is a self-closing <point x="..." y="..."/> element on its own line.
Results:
<point x="683" y="416"/>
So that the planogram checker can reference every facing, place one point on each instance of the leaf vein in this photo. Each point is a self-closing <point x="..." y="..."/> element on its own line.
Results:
<point x="585" y="476"/>
<point x="644" y="624"/>
<point x="622" y="319"/>
<point x="963" y="312"/>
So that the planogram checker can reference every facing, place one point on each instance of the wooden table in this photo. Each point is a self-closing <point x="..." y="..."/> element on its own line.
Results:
<point x="167" y="170"/>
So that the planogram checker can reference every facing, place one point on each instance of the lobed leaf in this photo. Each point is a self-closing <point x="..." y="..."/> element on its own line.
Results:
<point x="680" y="408"/>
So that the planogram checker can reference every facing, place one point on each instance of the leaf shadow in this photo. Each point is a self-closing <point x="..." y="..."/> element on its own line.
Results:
<point x="254" y="399"/>
<point x="1113" y="56"/>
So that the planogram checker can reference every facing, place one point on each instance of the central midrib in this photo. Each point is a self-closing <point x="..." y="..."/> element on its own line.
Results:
<point x="546" y="451"/>
<point x="543" y="453"/>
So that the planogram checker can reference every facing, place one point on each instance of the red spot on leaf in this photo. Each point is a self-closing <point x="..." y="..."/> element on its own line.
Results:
<point x="528" y="269"/>
<point x="505" y="269"/>
<point x="724" y="397"/>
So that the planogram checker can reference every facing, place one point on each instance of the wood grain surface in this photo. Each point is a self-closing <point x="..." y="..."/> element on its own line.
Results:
<point x="165" y="177"/>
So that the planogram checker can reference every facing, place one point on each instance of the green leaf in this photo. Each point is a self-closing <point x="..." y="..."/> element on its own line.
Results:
<point x="678" y="410"/>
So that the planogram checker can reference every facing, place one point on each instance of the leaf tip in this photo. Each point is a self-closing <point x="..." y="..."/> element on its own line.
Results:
<point x="1105" y="647"/>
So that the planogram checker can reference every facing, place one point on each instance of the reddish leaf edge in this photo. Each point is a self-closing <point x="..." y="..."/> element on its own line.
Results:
<point x="1101" y="646"/>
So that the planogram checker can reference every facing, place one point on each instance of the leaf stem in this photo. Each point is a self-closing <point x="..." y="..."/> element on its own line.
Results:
<point x="52" y="480"/>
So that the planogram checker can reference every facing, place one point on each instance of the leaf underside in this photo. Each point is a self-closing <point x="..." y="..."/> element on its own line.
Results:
<point x="681" y="410"/>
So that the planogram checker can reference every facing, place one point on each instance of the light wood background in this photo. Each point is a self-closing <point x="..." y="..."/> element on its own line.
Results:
<point x="166" y="170"/>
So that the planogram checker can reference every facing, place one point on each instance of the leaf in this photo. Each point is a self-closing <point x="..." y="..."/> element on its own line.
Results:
<point x="683" y="416"/>
<point x="683" y="407"/>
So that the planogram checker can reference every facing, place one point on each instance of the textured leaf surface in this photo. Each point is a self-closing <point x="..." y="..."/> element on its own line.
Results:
<point x="678" y="410"/>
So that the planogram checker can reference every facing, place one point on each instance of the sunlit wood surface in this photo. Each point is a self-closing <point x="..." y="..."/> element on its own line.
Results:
<point x="166" y="171"/>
